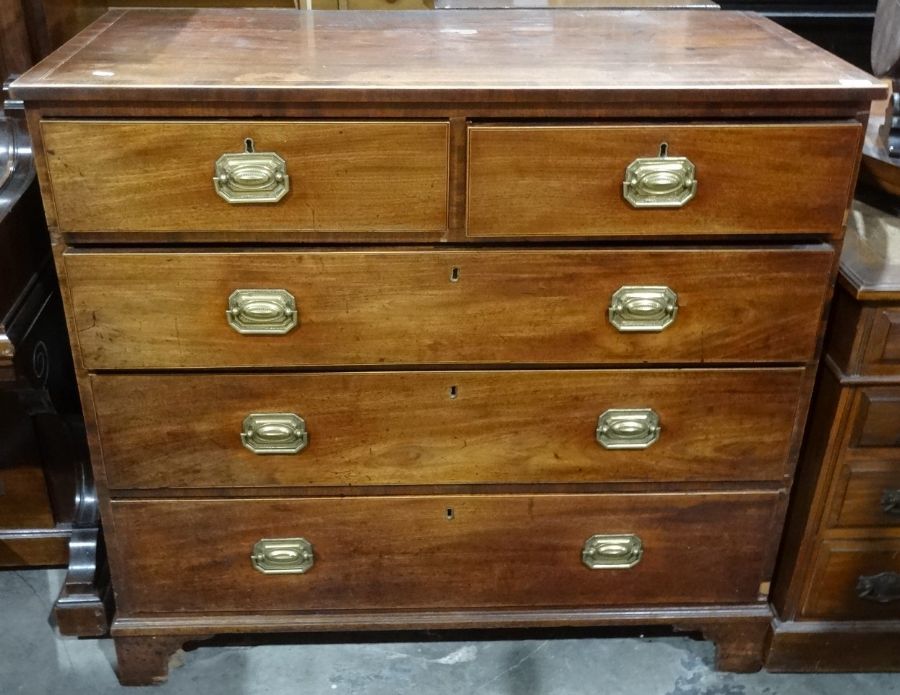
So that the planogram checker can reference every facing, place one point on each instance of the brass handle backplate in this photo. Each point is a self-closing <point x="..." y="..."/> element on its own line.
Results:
<point x="890" y="502"/>
<point x="262" y="312"/>
<point x="616" y="551"/>
<point x="628" y="428"/>
<point x="251" y="177"/>
<point x="880" y="588"/>
<point x="282" y="556"/>
<point x="274" y="433"/>
<point x="660" y="182"/>
<point x="643" y="308"/>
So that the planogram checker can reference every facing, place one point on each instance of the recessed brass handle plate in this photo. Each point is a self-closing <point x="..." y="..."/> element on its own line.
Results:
<point x="251" y="177"/>
<point x="614" y="551"/>
<point x="643" y="308"/>
<point x="282" y="556"/>
<point x="262" y="312"/>
<point x="890" y="502"/>
<point x="628" y="428"/>
<point x="880" y="588"/>
<point x="274" y="433"/>
<point x="660" y="182"/>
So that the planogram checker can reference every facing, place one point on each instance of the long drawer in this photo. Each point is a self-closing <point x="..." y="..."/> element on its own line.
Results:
<point x="365" y="553"/>
<point x="430" y="428"/>
<point x="659" y="180"/>
<point x="246" y="176"/>
<point x="163" y="310"/>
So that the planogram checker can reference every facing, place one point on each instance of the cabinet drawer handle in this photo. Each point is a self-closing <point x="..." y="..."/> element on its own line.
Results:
<point x="628" y="428"/>
<point x="274" y="433"/>
<point x="262" y="312"/>
<point x="617" y="551"/>
<point x="880" y="588"/>
<point x="643" y="308"/>
<point x="251" y="177"/>
<point x="282" y="556"/>
<point x="890" y="502"/>
<point x="660" y="182"/>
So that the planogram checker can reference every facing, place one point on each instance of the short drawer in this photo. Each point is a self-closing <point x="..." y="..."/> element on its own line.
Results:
<point x="369" y="553"/>
<point x="882" y="352"/>
<point x="159" y="176"/>
<point x="632" y="181"/>
<point x="446" y="428"/>
<point x="856" y="580"/>
<point x="871" y="495"/>
<point x="876" y="418"/>
<point x="137" y="310"/>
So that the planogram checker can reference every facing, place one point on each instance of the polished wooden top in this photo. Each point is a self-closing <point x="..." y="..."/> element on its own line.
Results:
<point x="468" y="55"/>
<point x="870" y="261"/>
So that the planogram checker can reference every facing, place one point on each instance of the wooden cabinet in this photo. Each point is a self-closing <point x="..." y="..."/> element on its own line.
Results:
<point x="838" y="583"/>
<point x="434" y="320"/>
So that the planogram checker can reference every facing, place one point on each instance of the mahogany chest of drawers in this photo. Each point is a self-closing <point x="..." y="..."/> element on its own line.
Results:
<point x="515" y="326"/>
<point x="837" y="593"/>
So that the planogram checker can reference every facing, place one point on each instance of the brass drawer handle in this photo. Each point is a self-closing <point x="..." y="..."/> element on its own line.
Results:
<point x="880" y="588"/>
<point x="628" y="428"/>
<point x="283" y="556"/>
<point x="274" y="433"/>
<point x="262" y="312"/>
<point x="617" y="551"/>
<point x="890" y="502"/>
<point x="643" y="308"/>
<point x="251" y="177"/>
<point x="660" y="182"/>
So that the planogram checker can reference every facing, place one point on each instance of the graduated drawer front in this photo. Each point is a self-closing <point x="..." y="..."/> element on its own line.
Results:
<point x="855" y="580"/>
<point x="870" y="494"/>
<point x="568" y="180"/>
<point x="441" y="552"/>
<point x="142" y="176"/>
<point x="446" y="427"/>
<point x="168" y="309"/>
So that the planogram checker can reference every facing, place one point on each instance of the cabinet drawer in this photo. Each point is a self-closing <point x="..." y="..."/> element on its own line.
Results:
<point x="447" y="427"/>
<point x="856" y="580"/>
<point x="877" y="418"/>
<point x="159" y="176"/>
<point x="871" y="496"/>
<point x="882" y="353"/>
<point x="443" y="551"/>
<point x="750" y="179"/>
<point x="168" y="310"/>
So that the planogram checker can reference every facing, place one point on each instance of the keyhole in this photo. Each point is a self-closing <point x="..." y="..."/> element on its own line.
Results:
<point x="450" y="514"/>
<point x="453" y="392"/>
<point x="248" y="145"/>
<point x="454" y="274"/>
<point x="664" y="149"/>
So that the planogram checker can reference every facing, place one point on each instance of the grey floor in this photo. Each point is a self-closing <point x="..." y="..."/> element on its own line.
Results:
<point x="34" y="660"/>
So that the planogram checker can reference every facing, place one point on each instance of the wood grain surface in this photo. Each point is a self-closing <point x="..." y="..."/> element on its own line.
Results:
<point x="441" y="552"/>
<point x="840" y="563"/>
<point x="446" y="427"/>
<point x="451" y="57"/>
<point x="751" y="179"/>
<point x="860" y="502"/>
<point x="392" y="307"/>
<point x="344" y="176"/>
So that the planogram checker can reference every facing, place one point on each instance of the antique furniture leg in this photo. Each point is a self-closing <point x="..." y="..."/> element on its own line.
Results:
<point x="739" y="645"/>
<point x="144" y="660"/>
<point x="83" y="607"/>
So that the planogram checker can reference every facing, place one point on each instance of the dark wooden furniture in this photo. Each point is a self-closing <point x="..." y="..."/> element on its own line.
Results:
<point x="48" y="506"/>
<point x="489" y="331"/>
<point x="836" y="591"/>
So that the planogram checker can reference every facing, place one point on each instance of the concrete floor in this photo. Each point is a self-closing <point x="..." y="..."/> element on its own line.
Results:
<point x="35" y="661"/>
